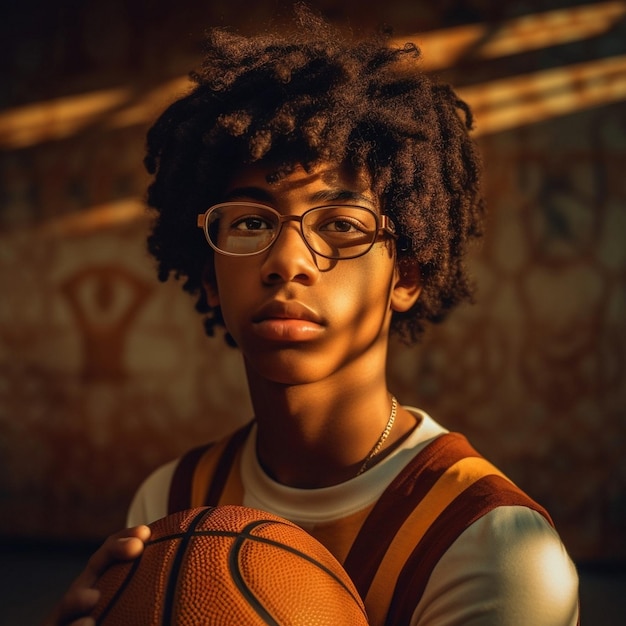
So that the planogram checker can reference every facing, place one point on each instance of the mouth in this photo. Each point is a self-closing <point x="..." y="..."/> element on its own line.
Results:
<point x="281" y="310"/>
<point x="287" y="321"/>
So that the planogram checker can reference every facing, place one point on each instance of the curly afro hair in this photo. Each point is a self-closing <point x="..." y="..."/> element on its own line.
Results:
<point x="310" y="95"/>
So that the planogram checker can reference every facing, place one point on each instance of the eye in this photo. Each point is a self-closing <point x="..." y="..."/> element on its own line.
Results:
<point x="343" y="219"/>
<point x="345" y="222"/>
<point x="342" y="225"/>
<point x="251" y="222"/>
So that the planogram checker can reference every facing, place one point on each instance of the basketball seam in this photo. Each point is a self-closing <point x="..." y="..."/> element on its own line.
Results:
<point x="168" y="605"/>
<point x="240" y="537"/>
<point x="119" y="592"/>
<point x="233" y="562"/>
<point x="246" y="533"/>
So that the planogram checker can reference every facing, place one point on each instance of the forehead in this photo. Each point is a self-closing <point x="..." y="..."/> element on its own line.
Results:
<point x="322" y="182"/>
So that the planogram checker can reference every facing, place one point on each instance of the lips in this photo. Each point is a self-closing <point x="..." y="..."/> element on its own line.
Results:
<point x="277" y="309"/>
<point x="287" y="321"/>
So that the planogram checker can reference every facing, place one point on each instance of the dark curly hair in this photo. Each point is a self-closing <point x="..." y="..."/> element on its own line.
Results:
<point x="309" y="95"/>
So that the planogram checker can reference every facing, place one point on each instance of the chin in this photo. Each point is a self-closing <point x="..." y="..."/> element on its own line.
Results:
<point x="289" y="368"/>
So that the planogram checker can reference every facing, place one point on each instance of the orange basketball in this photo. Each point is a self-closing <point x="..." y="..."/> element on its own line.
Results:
<point x="229" y="565"/>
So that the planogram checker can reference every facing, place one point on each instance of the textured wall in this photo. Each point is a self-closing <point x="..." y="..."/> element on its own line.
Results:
<point x="105" y="373"/>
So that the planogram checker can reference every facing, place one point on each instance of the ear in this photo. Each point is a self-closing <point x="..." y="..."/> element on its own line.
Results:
<point x="406" y="288"/>
<point x="209" y="283"/>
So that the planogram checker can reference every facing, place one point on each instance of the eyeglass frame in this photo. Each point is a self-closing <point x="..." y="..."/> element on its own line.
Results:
<point x="384" y="224"/>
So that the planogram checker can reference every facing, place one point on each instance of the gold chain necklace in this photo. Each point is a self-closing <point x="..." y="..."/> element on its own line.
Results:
<point x="383" y="437"/>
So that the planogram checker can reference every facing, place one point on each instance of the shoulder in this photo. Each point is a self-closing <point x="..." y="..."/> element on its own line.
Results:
<point x="508" y="568"/>
<point x="150" y="500"/>
<point x="153" y="499"/>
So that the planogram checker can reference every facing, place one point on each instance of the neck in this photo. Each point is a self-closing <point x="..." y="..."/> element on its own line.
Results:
<point x="319" y="434"/>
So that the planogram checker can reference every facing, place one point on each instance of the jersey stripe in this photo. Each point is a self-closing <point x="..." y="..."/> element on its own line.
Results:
<point x="213" y="471"/>
<point x="398" y="501"/>
<point x="481" y="497"/>
<point x="401" y="538"/>
<point x="217" y="482"/>
<point x="338" y="535"/>
<point x="179" y="497"/>
<point x="202" y="473"/>
<point x="451" y="484"/>
<point x="233" y="488"/>
<point x="205" y="471"/>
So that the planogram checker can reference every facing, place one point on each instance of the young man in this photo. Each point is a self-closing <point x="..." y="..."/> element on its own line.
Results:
<point x="318" y="194"/>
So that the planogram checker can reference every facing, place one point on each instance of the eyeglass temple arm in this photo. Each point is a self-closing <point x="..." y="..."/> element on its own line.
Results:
<point x="403" y="243"/>
<point x="388" y="225"/>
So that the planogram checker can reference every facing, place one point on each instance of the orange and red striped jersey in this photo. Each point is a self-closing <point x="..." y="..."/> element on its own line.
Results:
<point x="390" y="547"/>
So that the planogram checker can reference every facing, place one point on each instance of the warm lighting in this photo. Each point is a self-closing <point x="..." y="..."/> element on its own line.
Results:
<point x="498" y="105"/>
<point x="554" y="28"/>
<point x="61" y="118"/>
<point x="501" y="105"/>
<point x="95" y="218"/>
<point x="444" y="48"/>
<point x="149" y="105"/>
<point x="56" y="119"/>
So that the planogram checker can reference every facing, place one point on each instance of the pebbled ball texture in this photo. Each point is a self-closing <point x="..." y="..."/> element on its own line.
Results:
<point x="231" y="566"/>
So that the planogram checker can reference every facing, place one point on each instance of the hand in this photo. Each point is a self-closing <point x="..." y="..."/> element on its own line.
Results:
<point x="81" y="597"/>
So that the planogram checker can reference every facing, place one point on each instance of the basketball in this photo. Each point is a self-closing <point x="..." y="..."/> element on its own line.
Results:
<point x="229" y="565"/>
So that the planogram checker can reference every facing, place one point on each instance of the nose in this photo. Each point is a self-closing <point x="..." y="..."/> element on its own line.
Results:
<point x="289" y="258"/>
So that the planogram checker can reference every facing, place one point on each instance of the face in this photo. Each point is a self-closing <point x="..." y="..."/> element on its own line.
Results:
<point x="296" y="316"/>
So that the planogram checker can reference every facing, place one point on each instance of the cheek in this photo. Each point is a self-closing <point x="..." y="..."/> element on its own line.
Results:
<point x="366" y="289"/>
<point x="231" y="289"/>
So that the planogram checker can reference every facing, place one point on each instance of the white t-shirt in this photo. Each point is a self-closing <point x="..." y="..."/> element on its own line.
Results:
<point x="509" y="568"/>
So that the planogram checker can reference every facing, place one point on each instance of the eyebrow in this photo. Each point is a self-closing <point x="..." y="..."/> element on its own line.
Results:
<point x="333" y="195"/>
<point x="252" y="193"/>
<point x="325" y="195"/>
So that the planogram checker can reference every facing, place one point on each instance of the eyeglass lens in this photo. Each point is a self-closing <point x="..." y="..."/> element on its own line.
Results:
<point x="333" y="231"/>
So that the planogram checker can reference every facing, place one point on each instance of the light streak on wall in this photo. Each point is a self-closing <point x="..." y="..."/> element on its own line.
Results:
<point x="513" y="102"/>
<point x="61" y="118"/>
<point x="95" y="218"/>
<point x="499" y="105"/>
<point x="443" y="48"/>
<point x="57" y="119"/>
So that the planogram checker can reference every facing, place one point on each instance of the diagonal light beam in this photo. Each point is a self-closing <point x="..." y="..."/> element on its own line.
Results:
<point x="499" y="105"/>
<point x="511" y="102"/>
<point x="444" y="48"/>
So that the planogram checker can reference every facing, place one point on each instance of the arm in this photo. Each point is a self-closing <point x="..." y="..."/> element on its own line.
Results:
<point x="509" y="568"/>
<point x="81" y="597"/>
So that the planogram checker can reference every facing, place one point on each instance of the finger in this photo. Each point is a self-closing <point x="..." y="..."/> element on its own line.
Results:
<point x="129" y="544"/>
<point x="122" y="546"/>
<point x="81" y="598"/>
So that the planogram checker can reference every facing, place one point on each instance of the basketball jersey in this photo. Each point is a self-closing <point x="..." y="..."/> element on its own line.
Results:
<point x="389" y="548"/>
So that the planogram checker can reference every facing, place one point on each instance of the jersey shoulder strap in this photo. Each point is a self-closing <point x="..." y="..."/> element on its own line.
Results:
<point x="440" y="493"/>
<point x="201" y="473"/>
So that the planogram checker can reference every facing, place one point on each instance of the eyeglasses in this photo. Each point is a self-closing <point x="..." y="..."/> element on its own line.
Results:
<point x="334" y="232"/>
